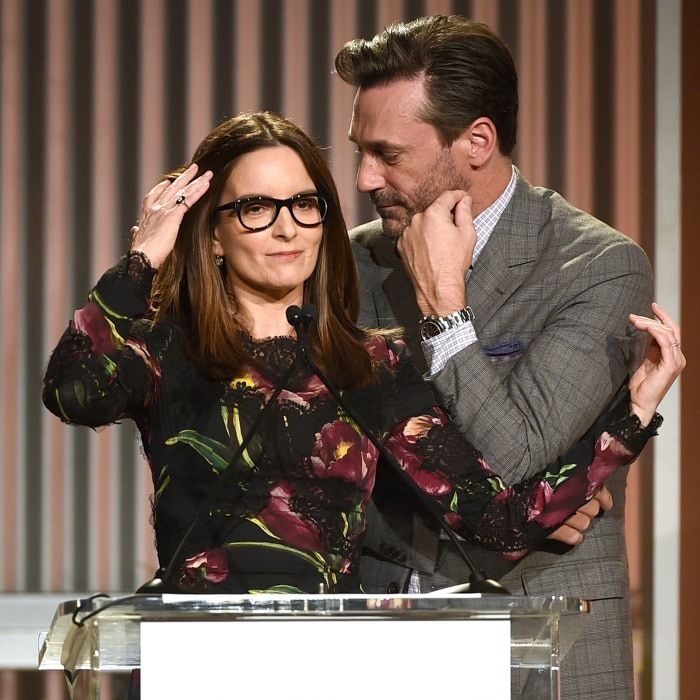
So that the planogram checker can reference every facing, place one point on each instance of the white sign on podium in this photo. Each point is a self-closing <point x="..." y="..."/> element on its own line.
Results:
<point x="324" y="658"/>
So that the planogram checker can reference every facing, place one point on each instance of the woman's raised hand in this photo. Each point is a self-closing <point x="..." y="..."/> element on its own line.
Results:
<point x="162" y="212"/>
<point x="662" y="363"/>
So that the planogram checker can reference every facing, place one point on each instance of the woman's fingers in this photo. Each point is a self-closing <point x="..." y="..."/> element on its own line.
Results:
<point x="166" y="192"/>
<point x="164" y="208"/>
<point x="191" y="194"/>
<point x="184" y="190"/>
<point x="662" y="363"/>
<point x="663" y="321"/>
<point x="666" y="338"/>
<point x="178" y="187"/>
<point x="663" y="330"/>
<point x="154" y="194"/>
<point x="666" y="319"/>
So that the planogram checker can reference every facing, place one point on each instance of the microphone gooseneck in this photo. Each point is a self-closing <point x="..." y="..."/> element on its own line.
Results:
<point x="302" y="321"/>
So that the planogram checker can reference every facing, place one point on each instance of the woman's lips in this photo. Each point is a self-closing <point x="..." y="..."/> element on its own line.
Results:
<point x="286" y="254"/>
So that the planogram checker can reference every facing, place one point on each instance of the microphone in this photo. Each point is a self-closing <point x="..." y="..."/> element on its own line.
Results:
<point x="302" y="320"/>
<point x="164" y="580"/>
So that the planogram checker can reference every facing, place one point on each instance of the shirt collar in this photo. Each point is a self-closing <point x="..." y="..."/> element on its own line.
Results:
<point x="485" y="222"/>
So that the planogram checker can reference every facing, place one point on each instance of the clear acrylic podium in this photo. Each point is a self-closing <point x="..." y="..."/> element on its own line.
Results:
<point x="541" y="630"/>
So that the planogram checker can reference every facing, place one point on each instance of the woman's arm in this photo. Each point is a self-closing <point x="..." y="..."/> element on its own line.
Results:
<point x="97" y="373"/>
<point x="511" y="518"/>
<point x="479" y="504"/>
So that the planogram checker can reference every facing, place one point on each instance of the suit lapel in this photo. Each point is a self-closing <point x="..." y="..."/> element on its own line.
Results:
<point x="513" y="247"/>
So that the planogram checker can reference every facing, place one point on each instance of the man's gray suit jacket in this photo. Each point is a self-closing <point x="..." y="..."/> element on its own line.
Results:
<point x="551" y="293"/>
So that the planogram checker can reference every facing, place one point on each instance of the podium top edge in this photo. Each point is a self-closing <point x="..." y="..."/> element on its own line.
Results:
<point x="356" y="603"/>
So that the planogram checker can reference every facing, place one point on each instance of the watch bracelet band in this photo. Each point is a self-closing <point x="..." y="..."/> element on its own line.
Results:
<point x="439" y="324"/>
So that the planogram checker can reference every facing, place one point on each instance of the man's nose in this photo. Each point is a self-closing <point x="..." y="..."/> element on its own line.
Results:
<point x="370" y="176"/>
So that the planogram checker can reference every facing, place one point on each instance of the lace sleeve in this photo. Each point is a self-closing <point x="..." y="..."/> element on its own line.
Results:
<point x="95" y="374"/>
<point x="477" y="503"/>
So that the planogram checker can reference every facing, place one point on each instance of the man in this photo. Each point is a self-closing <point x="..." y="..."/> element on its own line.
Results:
<point x="524" y="314"/>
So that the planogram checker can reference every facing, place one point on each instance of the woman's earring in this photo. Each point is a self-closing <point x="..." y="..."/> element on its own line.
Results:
<point x="219" y="260"/>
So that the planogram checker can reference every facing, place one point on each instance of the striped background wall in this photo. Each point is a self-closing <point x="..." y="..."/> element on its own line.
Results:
<point x="98" y="98"/>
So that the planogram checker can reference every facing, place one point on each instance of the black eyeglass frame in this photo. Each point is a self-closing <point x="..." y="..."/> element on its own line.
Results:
<point x="279" y="203"/>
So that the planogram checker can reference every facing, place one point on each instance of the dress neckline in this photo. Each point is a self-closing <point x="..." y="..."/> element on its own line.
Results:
<point x="274" y="355"/>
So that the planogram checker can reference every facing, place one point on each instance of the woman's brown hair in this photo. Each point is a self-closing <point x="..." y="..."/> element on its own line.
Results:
<point x="191" y="287"/>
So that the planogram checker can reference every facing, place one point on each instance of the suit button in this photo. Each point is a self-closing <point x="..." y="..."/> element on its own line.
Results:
<point x="393" y="587"/>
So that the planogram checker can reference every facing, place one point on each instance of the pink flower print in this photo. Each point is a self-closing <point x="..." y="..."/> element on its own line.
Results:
<point x="286" y="523"/>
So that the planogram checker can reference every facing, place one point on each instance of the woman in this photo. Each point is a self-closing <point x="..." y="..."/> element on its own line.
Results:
<point x="193" y="354"/>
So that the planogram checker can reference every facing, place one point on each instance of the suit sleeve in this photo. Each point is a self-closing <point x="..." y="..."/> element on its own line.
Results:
<point x="567" y="374"/>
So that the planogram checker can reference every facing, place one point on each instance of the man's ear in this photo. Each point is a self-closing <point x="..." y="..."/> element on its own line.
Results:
<point x="478" y="142"/>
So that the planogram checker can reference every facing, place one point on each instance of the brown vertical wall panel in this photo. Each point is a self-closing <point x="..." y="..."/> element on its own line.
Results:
<point x="485" y="11"/>
<point x="627" y="214"/>
<point x="341" y="98"/>
<point x="105" y="467"/>
<point x="690" y="397"/>
<point x="442" y="7"/>
<point x="297" y="48"/>
<point x="150" y="165"/>
<point x="151" y="106"/>
<point x="579" y="100"/>
<point x="56" y="295"/>
<point x="11" y="319"/>
<point x="200" y="19"/>
<point x="247" y="38"/>
<point x="626" y="121"/>
<point x="532" y="73"/>
<point x="130" y="88"/>
<point x="388" y="11"/>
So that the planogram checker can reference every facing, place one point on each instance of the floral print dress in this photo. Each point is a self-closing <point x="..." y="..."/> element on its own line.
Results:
<point x="289" y="513"/>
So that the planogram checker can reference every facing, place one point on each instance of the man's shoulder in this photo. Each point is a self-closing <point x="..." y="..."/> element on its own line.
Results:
<point x="572" y="222"/>
<point x="366" y="236"/>
<point x="576" y="232"/>
<point x="372" y="248"/>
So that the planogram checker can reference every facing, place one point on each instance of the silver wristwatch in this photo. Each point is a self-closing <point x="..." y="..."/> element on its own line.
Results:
<point x="431" y="325"/>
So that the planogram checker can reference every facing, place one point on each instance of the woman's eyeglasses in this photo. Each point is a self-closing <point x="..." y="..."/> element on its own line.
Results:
<point x="259" y="213"/>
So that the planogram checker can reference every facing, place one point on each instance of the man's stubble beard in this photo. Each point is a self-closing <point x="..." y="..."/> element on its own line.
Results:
<point x="442" y="176"/>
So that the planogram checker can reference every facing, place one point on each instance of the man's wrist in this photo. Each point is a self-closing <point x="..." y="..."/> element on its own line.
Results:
<point x="432" y="324"/>
<point x="442" y="307"/>
<point x="445" y="302"/>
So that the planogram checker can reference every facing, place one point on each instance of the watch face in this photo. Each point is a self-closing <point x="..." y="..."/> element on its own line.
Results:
<point x="429" y="329"/>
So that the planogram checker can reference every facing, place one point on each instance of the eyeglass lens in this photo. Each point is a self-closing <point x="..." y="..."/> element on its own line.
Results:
<point x="307" y="211"/>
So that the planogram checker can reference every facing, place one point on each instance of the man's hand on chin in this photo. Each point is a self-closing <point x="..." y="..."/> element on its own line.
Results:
<point x="436" y="248"/>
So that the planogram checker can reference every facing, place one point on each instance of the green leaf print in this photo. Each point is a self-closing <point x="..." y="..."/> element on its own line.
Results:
<point x="215" y="452"/>
<point x="306" y="556"/>
<point x="560" y="476"/>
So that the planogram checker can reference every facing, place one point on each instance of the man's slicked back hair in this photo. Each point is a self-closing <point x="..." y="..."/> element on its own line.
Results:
<point x="468" y="72"/>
